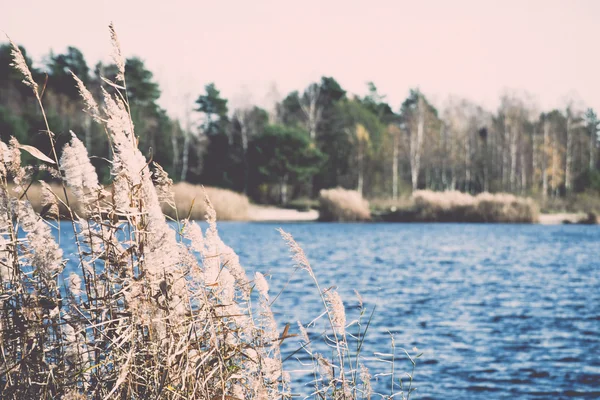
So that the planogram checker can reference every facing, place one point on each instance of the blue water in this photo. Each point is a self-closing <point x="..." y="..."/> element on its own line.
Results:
<point x="500" y="311"/>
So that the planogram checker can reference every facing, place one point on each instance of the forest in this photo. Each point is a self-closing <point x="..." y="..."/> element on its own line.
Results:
<point x="317" y="137"/>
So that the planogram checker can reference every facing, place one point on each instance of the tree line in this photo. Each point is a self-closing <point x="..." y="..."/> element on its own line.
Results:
<point x="318" y="137"/>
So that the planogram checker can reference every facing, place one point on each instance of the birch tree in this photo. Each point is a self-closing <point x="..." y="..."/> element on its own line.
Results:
<point x="395" y="133"/>
<point x="592" y="131"/>
<point x="363" y="141"/>
<point x="311" y="109"/>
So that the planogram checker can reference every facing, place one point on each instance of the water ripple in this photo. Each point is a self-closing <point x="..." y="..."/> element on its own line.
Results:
<point x="501" y="311"/>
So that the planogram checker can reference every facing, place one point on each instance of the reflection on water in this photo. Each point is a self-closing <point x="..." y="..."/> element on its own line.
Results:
<point x="501" y="311"/>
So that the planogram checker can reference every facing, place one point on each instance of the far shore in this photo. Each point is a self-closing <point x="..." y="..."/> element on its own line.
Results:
<point x="260" y="213"/>
<point x="561" y="218"/>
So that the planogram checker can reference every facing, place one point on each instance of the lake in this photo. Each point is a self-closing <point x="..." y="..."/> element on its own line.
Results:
<point x="500" y="311"/>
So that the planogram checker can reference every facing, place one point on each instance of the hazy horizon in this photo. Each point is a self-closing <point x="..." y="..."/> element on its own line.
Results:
<point x="464" y="48"/>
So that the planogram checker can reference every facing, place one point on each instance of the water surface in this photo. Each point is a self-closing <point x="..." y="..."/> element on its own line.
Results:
<point x="500" y="311"/>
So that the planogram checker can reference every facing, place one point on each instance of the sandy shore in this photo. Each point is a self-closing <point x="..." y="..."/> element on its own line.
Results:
<point x="557" y="219"/>
<point x="274" y="214"/>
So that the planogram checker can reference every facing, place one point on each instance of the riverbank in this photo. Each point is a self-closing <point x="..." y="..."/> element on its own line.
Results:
<point x="260" y="213"/>
<point x="566" y="218"/>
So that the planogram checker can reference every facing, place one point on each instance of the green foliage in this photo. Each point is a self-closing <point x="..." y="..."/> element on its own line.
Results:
<point x="284" y="154"/>
<point x="214" y="108"/>
<point x="12" y="125"/>
<point x="587" y="181"/>
<point x="60" y="68"/>
<point x="290" y="111"/>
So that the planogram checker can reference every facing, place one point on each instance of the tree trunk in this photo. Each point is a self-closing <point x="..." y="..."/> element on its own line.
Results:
<point x="395" y="167"/>
<point x="486" y="161"/>
<point x="555" y="160"/>
<point x="88" y="134"/>
<point x="443" y="177"/>
<point x="244" y="134"/>
<point x="361" y="156"/>
<point x="311" y="109"/>
<point x="467" y="162"/>
<point x="505" y="157"/>
<point x="185" y="155"/>
<point x="523" y="172"/>
<point x="283" y="190"/>
<point x="187" y="132"/>
<point x="513" y="159"/>
<point x="175" y="147"/>
<point x="569" y="157"/>
<point x="415" y="145"/>
<point x="593" y="148"/>
<point x="545" y="160"/>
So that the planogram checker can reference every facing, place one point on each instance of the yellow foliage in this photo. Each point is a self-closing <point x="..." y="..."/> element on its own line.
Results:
<point x="362" y="134"/>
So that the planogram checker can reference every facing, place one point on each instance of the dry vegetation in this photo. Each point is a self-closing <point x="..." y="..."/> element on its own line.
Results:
<point x="454" y="206"/>
<point x="153" y="310"/>
<point x="587" y="202"/>
<point x="343" y="206"/>
<point x="229" y="205"/>
<point x="188" y="202"/>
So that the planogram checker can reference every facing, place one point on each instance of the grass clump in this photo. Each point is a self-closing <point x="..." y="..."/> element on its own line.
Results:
<point x="343" y="206"/>
<point x="505" y="207"/>
<point x="143" y="308"/>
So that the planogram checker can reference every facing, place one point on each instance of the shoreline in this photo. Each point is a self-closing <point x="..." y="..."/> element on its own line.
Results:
<point x="561" y="218"/>
<point x="261" y="213"/>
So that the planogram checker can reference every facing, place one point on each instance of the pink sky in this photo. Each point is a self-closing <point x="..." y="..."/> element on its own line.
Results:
<point x="473" y="49"/>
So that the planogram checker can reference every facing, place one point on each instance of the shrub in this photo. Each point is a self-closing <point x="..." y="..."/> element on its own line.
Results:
<point x="343" y="205"/>
<point x="454" y="206"/>
<point x="152" y="309"/>
<point x="586" y="202"/>
<point x="443" y="206"/>
<point x="504" y="207"/>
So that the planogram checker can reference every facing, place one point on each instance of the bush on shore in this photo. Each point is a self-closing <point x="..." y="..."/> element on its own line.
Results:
<point x="343" y="205"/>
<point x="586" y="202"/>
<point x="454" y="206"/>
<point x="189" y="203"/>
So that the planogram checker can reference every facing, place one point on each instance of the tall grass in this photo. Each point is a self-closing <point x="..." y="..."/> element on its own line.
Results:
<point x="188" y="201"/>
<point x="454" y="206"/>
<point x="229" y="205"/>
<point x="343" y="205"/>
<point x="153" y="310"/>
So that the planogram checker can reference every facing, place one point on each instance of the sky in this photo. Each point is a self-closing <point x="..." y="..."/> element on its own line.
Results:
<point x="257" y="51"/>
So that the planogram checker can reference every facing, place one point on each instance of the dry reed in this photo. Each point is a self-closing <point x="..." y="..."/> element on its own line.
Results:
<point x="188" y="198"/>
<point x="454" y="206"/>
<point x="229" y="205"/>
<point x="152" y="310"/>
<point x="343" y="205"/>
